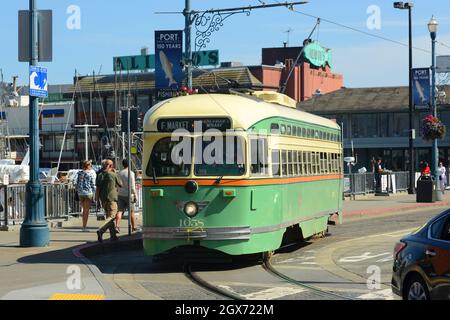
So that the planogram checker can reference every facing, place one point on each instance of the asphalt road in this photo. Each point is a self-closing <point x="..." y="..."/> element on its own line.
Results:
<point x="354" y="261"/>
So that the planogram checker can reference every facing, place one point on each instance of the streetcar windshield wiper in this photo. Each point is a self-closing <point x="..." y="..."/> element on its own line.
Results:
<point x="154" y="176"/>
<point x="218" y="180"/>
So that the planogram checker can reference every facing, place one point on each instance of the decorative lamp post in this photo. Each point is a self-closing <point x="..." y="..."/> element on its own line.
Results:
<point x="433" y="27"/>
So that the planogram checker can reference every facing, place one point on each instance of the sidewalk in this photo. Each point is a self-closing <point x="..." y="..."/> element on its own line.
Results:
<point x="58" y="271"/>
<point x="61" y="271"/>
<point x="372" y="206"/>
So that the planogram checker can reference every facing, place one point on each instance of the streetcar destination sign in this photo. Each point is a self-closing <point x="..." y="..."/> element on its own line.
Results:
<point x="189" y="124"/>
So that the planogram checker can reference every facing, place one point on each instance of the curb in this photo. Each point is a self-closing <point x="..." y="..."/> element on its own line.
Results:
<point x="83" y="252"/>
<point x="399" y="209"/>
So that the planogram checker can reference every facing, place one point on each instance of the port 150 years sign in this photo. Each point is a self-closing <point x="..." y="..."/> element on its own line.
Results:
<point x="168" y="58"/>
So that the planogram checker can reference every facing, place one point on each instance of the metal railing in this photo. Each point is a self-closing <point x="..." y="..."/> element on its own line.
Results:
<point x="365" y="183"/>
<point x="59" y="203"/>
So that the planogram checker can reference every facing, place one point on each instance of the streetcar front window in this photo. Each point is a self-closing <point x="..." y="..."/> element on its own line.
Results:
<point x="169" y="160"/>
<point x="219" y="156"/>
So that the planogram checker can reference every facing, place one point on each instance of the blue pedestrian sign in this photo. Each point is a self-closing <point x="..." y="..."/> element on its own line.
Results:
<point x="38" y="82"/>
<point x="421" y="88"/>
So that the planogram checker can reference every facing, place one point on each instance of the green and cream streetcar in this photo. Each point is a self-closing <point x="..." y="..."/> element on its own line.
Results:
<point x="238" y="173"/>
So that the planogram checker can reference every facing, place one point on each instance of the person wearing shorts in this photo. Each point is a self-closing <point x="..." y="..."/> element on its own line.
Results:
<point x="86" y="190"/>
<point x="123" y="196"/>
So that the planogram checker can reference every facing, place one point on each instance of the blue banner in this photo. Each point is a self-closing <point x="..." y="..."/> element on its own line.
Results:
<point x="168" y="58"/>
<point x="421" y="88"/>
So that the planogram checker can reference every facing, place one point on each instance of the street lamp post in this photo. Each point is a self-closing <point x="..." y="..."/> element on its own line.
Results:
<point x="34" y="231"/>
<point x="411" y="189"/>
<point x="432" y="27"/>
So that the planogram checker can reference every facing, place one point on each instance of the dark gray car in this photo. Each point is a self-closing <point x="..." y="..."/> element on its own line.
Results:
<point x="422" y="262"/>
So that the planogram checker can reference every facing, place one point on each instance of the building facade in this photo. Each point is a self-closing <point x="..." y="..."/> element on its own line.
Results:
<point x="375" y="124"/>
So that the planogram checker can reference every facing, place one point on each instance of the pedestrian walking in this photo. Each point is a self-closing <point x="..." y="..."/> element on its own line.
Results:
<point x="86" y="189"/>
<point x="106" y="195"/>
<point x="124" y="202"/>
<point x="442" y="177"/>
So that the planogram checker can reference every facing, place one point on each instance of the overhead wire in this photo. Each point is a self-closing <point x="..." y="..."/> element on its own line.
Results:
<point x="355" y="29"/>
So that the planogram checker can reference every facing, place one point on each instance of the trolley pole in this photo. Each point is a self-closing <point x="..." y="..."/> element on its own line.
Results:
<point x="34" y="231"/>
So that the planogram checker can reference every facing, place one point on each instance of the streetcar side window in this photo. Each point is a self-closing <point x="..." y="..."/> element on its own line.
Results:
<point x="282" y="129"/>
<point x="259" y="157"/>
<point x="170" y="158"/>
<point x="284" y="163"/>
<point x="309" y="163"/>
<point x="275" y="128"/>
<point x="290" y="165"/>
<point x="299" y="132"/>
<point x="295" y="161"/>
<point x="294" y="130"/>
<point x="276" y="163"/>
<point x="300" y="163"/>
<point x="288" y="131"/>
<point x="304" y="132"/>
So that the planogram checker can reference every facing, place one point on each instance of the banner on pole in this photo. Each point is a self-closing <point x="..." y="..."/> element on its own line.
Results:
<point x="421" y="88"/>
<point x="168" y="59"/>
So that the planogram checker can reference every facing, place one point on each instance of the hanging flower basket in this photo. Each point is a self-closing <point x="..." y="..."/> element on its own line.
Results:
<point x="433" y="128"/>
<point x="186" y="92"/>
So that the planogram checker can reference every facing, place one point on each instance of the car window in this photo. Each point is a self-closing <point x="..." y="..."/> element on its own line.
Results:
<point x="446" y="230"/>
<point x="437" y="228"/>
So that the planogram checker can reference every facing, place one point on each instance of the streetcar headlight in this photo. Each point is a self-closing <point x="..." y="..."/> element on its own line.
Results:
<point x="190" y="209"/>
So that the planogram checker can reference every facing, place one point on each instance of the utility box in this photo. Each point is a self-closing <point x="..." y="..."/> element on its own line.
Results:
<point x="425" y="189"/>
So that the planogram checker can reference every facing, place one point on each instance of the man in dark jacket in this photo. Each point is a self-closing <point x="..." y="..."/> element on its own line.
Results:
<point x="107" y="183"/>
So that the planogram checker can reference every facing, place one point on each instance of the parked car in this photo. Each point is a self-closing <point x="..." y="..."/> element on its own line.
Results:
<point x="422" y="262"/>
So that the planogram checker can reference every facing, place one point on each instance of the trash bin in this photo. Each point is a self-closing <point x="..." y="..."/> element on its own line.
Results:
<point x="425" y="189"/>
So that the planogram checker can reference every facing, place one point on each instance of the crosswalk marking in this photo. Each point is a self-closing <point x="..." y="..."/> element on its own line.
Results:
<point x="268" y="294"/>
<point x="378" y="295"/>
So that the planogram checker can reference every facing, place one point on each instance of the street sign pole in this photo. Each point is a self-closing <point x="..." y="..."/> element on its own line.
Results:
<point x="188" y="24"/>
<point x="129" y="171"/>
<point x="34" y="231"/>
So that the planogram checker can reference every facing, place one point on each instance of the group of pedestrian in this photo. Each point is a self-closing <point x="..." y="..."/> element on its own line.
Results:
<point x="110" y="191"/>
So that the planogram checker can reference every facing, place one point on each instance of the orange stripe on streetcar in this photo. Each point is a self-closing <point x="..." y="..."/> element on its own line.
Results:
<point x="240" y="182"/>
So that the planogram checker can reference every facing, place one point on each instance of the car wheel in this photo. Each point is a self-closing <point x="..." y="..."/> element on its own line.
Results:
<point x="416" y="289"/>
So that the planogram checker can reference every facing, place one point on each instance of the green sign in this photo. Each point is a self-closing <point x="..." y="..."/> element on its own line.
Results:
<point x="129" y="63"/>
<point x="317" y="55"/>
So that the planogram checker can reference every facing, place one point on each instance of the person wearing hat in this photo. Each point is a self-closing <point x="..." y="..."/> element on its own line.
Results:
<point x="86" y="189"/>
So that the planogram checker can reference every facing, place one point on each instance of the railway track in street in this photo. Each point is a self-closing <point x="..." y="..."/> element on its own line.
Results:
<point x="196" y="279"/>
<point x="267" y="266"/>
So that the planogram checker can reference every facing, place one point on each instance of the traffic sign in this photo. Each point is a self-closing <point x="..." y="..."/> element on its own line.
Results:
<point x="38" y="82"/>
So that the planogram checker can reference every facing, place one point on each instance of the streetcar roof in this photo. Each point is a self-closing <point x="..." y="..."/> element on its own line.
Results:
<point x="245" y="112"/>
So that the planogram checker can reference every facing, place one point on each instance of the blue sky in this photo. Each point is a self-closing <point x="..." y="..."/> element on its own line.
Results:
<point x="114" y="28"/>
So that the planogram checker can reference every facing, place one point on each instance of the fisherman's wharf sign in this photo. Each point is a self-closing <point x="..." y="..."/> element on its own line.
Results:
<point x="317" y="55"/>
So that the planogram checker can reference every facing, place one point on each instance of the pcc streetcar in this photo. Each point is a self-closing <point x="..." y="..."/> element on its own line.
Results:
<point x="238" y="173"/>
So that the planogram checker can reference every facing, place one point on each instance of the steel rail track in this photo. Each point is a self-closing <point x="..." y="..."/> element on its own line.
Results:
<point x="208" y="286"/>
<point x="266" y="264"/>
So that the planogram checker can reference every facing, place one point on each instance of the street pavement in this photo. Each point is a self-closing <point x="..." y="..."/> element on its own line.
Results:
<point x="75" y="266"/>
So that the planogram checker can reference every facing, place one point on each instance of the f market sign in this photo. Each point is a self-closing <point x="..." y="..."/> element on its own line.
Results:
<point x="317" y="55"/>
